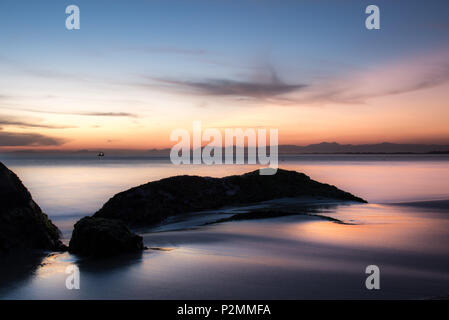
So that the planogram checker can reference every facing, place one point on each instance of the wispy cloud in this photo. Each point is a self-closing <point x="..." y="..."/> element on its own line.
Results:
<point x="8" y="121"/>
<point x="105" y="114"/>
<point x="408" y="75"/>
<point x="78" y="113"/>
<point x="263" y="89"/>
<point x="14" y="139"/>
<point x="354" y="87"/>
<point x="37" y="71"/>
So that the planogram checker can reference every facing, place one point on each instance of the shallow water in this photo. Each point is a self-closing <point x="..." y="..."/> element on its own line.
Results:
<point x="289" y="257"/>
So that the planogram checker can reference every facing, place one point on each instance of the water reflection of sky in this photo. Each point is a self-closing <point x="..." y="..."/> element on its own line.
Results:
<point x="66" y="187"/>
<point x="289" y="257"/>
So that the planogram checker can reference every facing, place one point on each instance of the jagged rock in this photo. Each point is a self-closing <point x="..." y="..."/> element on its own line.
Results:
<point x="98" y="237"/>
<point x="23" y="225"/>
<point x="153" y="202"/>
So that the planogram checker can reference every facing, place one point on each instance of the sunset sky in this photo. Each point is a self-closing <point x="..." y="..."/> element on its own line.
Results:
<point x="136" y="70"/>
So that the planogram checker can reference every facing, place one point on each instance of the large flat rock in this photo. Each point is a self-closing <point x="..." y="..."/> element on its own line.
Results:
<point x="151" y="203"/>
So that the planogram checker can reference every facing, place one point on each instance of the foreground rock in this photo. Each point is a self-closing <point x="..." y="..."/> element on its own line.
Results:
<point x="23" y="225"/>
<point x="98" y="237"/>
<point x="153" y="202"/>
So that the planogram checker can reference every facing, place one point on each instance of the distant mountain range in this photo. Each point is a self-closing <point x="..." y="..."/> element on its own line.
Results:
<point x="319" y="148"/>
<point x="385" y="147"/>
<point x="336" y="148"/>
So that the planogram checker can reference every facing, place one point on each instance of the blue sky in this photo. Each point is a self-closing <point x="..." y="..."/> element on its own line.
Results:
<point x="290" y="34"/>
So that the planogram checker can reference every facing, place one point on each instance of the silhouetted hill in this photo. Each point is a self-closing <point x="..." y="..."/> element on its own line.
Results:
<point x="385" y="147"/>
<point x="323" y="148"/>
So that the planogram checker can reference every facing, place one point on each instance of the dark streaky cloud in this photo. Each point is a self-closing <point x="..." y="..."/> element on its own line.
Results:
<point x="106" y="114"/>
<point x="13" y="139"/>
<point x="24" y="124"/>
<point x="81" y="113"/>
<point x="226" y="87"/>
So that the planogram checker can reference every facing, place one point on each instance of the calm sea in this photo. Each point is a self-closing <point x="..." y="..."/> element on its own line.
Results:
<point x="80" y="185"/>
<point x="290" y="257"/>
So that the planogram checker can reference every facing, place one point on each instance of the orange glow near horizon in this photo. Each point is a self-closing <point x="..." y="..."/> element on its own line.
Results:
<point x="371" y="111"/>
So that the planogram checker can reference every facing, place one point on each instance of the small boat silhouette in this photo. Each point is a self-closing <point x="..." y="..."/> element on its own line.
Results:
<point x="101" y="154"/>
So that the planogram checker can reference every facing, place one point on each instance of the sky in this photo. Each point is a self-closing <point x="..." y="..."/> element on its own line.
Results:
<point x="137" y="70"/>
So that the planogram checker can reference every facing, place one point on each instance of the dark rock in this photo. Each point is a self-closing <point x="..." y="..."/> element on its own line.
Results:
<point x="98" y="237"/>
<point x="153" y="202"/>
<point x="23" y="225"/>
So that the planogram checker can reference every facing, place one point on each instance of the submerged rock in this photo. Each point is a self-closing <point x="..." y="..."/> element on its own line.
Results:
<point x="23" y="225"/>
<point x="153" y="202"/>
<point x="98" y="237"/>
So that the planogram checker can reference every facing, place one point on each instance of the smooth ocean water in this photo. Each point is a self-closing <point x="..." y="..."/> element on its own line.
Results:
<point x="290" y="257"/>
